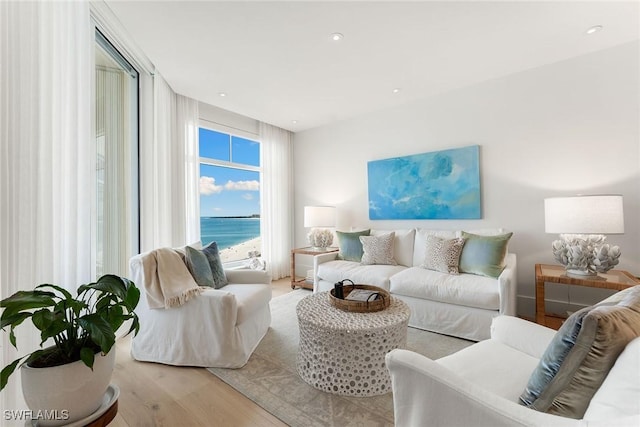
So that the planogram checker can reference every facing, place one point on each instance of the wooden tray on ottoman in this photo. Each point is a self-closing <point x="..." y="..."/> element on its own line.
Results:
<point x="380" y="303"/>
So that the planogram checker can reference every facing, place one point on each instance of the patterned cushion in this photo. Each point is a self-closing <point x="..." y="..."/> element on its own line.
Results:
<point x="213" y="256"/>
<point x="378" y="249"/>
<point x="443" y="255"/>
<point x="350" y="245"/>
<point x="198" y="266"/>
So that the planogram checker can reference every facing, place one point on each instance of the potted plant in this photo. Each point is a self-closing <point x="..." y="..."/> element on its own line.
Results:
<point x="83" y="330"/>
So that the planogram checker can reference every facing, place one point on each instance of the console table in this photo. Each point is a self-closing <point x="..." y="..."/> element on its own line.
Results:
<point x="613" y="279"/>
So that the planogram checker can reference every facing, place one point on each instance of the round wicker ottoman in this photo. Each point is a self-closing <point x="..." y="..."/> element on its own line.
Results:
<point x="342" y="352"/>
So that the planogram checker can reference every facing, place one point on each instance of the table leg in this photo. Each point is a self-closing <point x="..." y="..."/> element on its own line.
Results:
<point x="293" y="270"/>
<point x="540" y="309"/>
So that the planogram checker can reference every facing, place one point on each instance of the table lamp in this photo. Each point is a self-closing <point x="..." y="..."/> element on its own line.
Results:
<point x="316" y="217"/>
<point x="582" y="222"/>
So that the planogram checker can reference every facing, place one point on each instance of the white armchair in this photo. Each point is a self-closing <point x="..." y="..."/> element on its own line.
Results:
<point x="480" y="385"/>
<point x="218" y="328"/>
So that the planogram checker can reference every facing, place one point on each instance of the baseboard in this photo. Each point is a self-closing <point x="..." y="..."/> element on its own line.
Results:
<point x="526" y="307"/>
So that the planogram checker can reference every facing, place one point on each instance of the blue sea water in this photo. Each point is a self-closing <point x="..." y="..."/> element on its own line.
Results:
<point x="228" y="232"/>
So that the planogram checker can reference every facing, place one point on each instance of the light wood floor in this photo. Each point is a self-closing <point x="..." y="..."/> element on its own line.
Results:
<point x="152" y="394"/>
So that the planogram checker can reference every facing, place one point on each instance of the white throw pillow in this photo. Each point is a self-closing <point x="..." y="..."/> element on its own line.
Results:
<point x="378" y="249"/>
<point x="443" y="255"/>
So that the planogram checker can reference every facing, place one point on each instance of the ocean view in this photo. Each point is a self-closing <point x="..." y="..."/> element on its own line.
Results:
<point x="228" y="232"/>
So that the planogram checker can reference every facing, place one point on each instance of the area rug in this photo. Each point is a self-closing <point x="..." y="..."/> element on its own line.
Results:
<point x="270" y="378"/>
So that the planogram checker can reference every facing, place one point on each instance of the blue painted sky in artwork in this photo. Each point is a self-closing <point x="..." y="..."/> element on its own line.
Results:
<point x="437" y="185"/>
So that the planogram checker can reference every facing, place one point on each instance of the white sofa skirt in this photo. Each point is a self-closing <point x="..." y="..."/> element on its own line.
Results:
<point x="199" y="333"/>
<point x="444" y="318"/>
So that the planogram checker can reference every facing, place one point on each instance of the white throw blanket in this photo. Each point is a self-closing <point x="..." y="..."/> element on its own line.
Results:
<point x="168" y="282"/>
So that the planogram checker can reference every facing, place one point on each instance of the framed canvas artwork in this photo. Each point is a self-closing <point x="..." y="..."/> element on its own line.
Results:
<point x="436" y="185"/>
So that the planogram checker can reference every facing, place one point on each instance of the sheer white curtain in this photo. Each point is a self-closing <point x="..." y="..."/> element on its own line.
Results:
<point x="45" y="155"/>
<point x="169" y="172"/>
<point x="187" y="121"/>
<point x="114" y="175"/>
<point x="277" y="199"/>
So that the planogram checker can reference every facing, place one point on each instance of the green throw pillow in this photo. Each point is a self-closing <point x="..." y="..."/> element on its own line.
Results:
<point x="484" y="255"/>
<point x="213" y="255"/>
<point x="350" y="245"/>
<point x="198" y="266"/>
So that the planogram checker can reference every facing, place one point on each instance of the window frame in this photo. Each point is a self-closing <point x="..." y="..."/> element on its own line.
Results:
<point x="109" y="43"/>
<point x="217" y="127"/>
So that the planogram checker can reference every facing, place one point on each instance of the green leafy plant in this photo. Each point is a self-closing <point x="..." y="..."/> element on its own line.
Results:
<point x="80" y="327"/>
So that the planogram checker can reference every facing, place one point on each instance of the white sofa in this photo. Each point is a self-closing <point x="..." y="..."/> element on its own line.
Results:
<point x="459" y="305"/>
<point x="480" y="385"/>
<point x="218" y="328"/>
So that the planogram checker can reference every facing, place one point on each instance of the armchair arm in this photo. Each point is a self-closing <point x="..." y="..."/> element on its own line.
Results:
<point x="426" y="393"/>
<point x="507" y="282"/>
<point x="245" y="275"/>
<point x="528" y="337"/>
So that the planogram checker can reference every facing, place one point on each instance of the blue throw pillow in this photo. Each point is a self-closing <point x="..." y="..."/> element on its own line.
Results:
<point x="213" y="255"/>
<point x="552" y="360"/>
<point x="581" y="354"/>
<point x="198" y="266"/>
<point x="350" y="245"/>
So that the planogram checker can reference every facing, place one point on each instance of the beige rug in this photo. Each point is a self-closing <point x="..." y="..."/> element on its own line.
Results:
<point x="270" y="378"/>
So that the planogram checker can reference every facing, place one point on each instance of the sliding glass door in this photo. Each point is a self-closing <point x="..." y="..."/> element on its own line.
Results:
<point x="116" y="228"/>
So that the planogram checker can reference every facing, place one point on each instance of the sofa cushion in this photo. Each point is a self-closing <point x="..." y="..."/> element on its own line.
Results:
<point x="489" y="364"/>
<point x="565" y="386"/>
<point x="378" y="249"/>
<point x="420" y="243"/>
<point x="249" y="298"/>
<point x="402" y="245"/>
<point x="484" y="255"/>
<point x="376" y="275"/>
<point x="464" y="289"/>
<point x="443" y="255"/>
<point x="350" y="245"/>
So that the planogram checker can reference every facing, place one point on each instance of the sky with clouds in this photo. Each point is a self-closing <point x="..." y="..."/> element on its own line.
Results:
<point x="226" y="191"/>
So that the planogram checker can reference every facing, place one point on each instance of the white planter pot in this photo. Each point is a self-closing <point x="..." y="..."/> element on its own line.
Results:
<point x="63" y="394"/>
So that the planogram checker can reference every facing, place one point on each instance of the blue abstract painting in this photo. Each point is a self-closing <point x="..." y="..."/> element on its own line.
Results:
<point x="437" y="185"/>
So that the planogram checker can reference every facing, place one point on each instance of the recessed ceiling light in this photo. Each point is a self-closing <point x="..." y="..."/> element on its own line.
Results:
<point x="396" y="90"/>
<point x="223" y="94"/>
<point x="336" y="37"/>
<point x="594" y="29"/>
<point x="294" y="121"/>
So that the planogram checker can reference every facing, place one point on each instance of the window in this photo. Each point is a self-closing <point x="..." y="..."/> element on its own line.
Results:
<point x="229" y="193"/>
<point x="115" y="223"/>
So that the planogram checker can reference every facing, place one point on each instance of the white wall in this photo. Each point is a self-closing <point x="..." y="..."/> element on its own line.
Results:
<point x="562" y="129"/>
<point x="229" y="121"/>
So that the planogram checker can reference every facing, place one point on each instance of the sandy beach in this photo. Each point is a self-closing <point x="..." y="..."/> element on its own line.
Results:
<point x="240" y="251"/>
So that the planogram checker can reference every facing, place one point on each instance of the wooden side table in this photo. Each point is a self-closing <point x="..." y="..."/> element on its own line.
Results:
<point x="104" y="419"/>
<point x="301" y="282"/>
<point x="613" y="279"/>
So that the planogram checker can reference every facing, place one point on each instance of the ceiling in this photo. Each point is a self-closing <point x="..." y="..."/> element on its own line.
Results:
<point x="276" y="62"/>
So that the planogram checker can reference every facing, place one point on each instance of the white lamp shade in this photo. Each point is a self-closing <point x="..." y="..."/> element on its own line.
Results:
<point x="597" y="214"/>
<point x="319" y="216"/>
